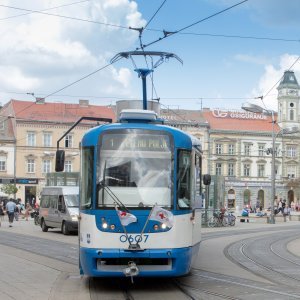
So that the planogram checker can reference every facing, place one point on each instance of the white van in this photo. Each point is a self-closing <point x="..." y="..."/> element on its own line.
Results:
<point x="59" y="208"/>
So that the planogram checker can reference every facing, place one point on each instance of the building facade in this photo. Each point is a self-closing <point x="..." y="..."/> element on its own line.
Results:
<point x="35" y="129"/>
<point x="240" y="149"/>
<point x="237" y="149"/>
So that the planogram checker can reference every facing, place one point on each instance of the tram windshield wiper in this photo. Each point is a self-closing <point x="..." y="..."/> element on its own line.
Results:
<point x="102" y="185"/>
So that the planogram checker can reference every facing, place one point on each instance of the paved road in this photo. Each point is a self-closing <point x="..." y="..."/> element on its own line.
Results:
<point x="47" y="268"/>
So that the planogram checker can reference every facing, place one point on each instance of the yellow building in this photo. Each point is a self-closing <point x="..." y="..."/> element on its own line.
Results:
<point x="36" y="127"/>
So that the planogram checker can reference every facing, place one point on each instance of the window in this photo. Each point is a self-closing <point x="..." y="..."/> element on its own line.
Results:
<point x="277" y="150"/>
<point x="87" y="167"/>
<point x="247" y="149"/>
<point x="230" y="169"/>
<point x="2" y="163"/>
<point x="46" y="166"/>
<point x="291" y="151"/>
<point x="247" y="170"/>
<point x="219" y="148"/>
<point x="292" y="114"/>
<point x="69" y="141"/>
<point x="47" y="139"/>
<point x="184" y="179"/>
<point x="218" y="169"/>
<point x="291" y="171"/>
<point x="261" y="171"/>
<point x="30" y="165"/>
<point x="68" y="166"/>
<point x="30" y="138"/>
<point x="231" y="149"/>
<point x="261" y="149"/>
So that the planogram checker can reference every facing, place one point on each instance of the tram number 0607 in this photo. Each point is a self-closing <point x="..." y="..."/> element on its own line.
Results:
<point x="134" y="238"/>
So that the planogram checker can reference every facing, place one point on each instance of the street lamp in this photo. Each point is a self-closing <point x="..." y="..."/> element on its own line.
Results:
<point x="258" y="109"/>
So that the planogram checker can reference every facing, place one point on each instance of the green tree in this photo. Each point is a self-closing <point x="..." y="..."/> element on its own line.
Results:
<point x="9" y="189"/>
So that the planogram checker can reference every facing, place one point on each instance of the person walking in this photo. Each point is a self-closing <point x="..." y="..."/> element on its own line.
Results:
<point x="280" y="208"/>
<point x="1" y="213"/>
<point x="28" y="210"/>
<point x="10" y="209"/>
<point x="17" y="211"/>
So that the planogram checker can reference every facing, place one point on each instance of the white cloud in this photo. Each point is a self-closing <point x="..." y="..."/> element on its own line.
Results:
<point x="44" y="53"/>
<point x="123" y="76"/>
<point x="270" y="80"/>
<point x="12" y="77"/>
<point x="259" y="60"/>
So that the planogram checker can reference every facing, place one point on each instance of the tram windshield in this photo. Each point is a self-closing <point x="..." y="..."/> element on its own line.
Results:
<point x="136" y="168"/>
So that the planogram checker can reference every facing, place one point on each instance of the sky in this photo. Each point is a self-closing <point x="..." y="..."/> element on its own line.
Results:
<point x="61" y="50"/>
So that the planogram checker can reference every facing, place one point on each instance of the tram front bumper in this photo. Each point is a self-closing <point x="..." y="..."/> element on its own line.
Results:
<point x="151" y="263"/>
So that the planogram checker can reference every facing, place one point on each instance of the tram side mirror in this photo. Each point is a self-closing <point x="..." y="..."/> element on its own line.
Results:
<point x="206" y="179"/>
<point x="59" y="160"/>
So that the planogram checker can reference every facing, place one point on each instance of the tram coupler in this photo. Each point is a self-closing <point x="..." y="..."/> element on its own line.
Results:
<point x="132" y="270"/>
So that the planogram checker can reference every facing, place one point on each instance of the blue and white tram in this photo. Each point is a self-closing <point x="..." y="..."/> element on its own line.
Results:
<point x="131" y="167"/>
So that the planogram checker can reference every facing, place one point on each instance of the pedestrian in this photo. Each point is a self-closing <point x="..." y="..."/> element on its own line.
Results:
<point x="10" y="209"/>
<point x="257" y="205"/>
<point x="28" y="209"/>
<point x="245" y="212"/>
<point x="17" y="211"/>
<point x="280" y="208"/>
<point x="1" y="212"/>
<point x="292" y="206"/>
<point x="283" y="205"/>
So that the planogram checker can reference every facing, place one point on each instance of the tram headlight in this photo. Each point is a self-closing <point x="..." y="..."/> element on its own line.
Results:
<point x="74" y="218"/>
<point x="155" y="227"/>
<point x="163" y="226"/>
<point x="112" y="227"/>
<point x="104" y="225"/>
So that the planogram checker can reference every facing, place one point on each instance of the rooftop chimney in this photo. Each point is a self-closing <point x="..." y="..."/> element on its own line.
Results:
<point x="83" y="102"/>
<point x="39" y="100"/>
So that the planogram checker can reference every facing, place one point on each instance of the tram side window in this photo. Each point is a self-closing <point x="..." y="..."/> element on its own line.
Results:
<point x="198" y="187"/>
<point x="87" y="171"/>
<point x="184" y="179"/>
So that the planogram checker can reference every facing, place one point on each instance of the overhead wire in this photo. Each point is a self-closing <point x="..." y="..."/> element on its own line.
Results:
<point x="267" y="93"/>
<point x="149" y="29"/>
<point x="55" y="7"/>
<point x="242" y="37"/>
<point x="84" y="77"/>
<point x="62" y="16"/>
<point x="155" y="14"/>
<point x="167" y="33"/>
<point x="141" y="30"/>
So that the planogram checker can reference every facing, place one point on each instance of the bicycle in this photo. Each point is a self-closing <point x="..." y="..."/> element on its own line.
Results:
<point x="230" y="218"/>
<point x="217" y="220"/>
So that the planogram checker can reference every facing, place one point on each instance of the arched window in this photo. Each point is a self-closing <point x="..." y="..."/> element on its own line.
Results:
<point x="292" y="115"/>
<point x="231" y="198"/>
<point x="261" y="198"/>
<point x="247" y="195"/>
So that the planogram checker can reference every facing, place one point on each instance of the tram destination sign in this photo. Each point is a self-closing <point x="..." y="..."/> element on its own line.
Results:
<point x="136" y="142"/>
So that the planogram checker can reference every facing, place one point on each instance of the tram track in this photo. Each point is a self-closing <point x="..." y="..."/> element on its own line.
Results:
<point x="267" y="262"/>
<point x="201" y="293"/>
<point x="245" y="287"/>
